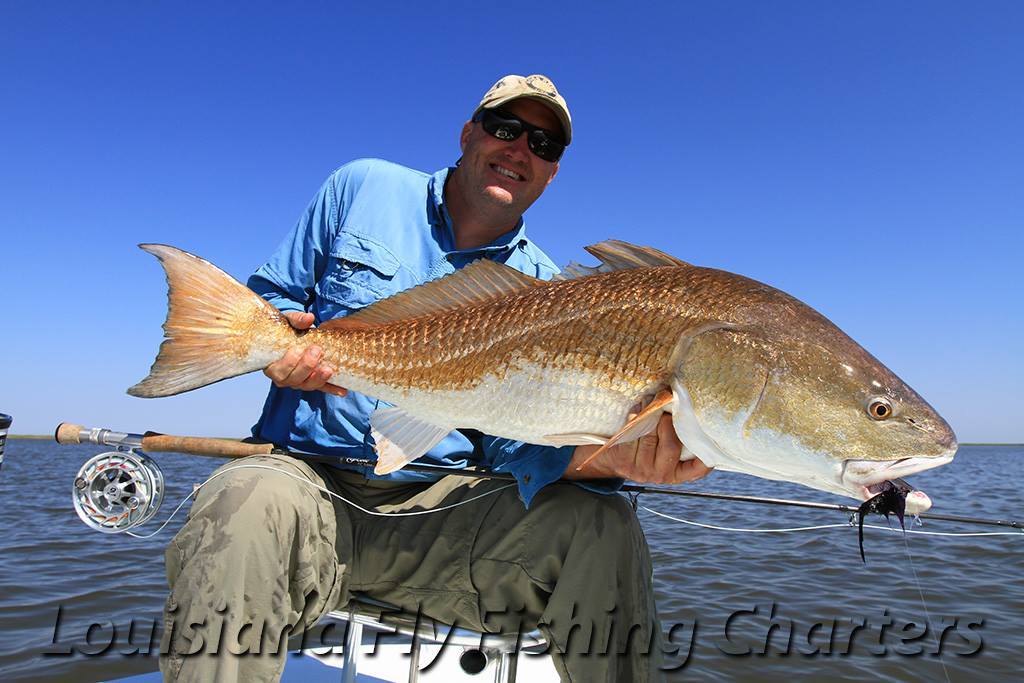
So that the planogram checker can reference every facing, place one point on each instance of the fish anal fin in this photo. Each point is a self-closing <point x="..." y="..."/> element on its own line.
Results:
<point x="401" y="438"/>
<point x="642" y="423"/>
<point x="480" y="282"/>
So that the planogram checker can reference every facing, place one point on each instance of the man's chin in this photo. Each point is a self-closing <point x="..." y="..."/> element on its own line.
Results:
<point x="499" y="195"/>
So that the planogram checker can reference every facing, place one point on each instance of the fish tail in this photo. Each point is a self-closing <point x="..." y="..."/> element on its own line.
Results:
<point x="216" y="327"/>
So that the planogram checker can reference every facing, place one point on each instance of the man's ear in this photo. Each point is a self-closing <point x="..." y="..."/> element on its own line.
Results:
<point x="554" y="172"/>
<point x="464" y="136"/>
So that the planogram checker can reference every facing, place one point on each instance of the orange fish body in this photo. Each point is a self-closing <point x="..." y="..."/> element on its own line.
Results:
<point x="751" y="375"/>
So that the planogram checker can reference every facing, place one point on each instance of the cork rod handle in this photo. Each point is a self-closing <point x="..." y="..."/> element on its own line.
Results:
<point x="196" y="445"/>
<point x="68" y="433"/>
<point x="153" y="442"/>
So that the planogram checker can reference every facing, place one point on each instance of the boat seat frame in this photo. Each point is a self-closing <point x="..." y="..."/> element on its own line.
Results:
<point x="365" y="612"/>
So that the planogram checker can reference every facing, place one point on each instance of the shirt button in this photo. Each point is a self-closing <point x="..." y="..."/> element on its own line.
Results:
<point x="526" y="478"/>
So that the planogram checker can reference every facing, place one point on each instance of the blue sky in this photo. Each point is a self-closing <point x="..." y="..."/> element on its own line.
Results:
<point x="865" y="157"/>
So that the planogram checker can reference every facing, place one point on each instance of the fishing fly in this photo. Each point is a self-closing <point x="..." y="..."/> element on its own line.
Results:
<point x="891" y="501"/>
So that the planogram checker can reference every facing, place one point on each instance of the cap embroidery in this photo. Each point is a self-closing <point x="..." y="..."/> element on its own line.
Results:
<point x="541" y="85"/>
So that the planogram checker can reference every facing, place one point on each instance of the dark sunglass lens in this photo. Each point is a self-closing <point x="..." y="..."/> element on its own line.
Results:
<point x="544" y="147"/>
<point x="501" y="127"/>
<point x="507" y="132"/>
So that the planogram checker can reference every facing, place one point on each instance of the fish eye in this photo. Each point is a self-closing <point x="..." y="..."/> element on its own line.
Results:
<point x="879" y="409"/>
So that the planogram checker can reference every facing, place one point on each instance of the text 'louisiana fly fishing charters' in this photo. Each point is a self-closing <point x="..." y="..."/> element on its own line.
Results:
<point x="756" y="381"/>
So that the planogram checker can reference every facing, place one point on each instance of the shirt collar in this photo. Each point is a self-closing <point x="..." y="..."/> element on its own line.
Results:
<point x="505" y="242"/>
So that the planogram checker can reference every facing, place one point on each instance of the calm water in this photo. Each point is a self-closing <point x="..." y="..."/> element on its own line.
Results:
<point x="51" y="564"/>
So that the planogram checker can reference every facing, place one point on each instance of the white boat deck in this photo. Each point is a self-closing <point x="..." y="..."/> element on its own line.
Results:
<point x="386" y="657"/>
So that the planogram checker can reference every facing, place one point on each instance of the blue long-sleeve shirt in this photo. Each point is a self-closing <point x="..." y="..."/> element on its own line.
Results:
<point x="374" y="229"/>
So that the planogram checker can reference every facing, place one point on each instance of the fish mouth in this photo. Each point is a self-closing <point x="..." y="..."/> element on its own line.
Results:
<point x="868" y="473"/>
<point x="867" y="478"/>
<point x="915" y="503"/>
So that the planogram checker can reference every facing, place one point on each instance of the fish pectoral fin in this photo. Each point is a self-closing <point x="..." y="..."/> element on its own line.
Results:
<point x="642" y="423"/>
<point x="401" y="438"/>
<point x="575" y="439"/>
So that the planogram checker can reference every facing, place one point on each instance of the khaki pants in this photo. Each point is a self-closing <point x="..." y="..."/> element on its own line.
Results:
<point x="263" y="553"/>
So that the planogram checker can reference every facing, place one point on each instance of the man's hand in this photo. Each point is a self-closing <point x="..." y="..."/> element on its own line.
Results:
<point x="302" y="370"/>
<point x="651" y="459"/>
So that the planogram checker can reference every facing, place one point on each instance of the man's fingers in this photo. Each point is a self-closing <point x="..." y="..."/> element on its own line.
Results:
<point x="317" y="378"/>
<point x="669" y="450"/>
<point x="304" y="367"/>
<point x="302" y="370"/>
<point x="294" y="368"/>
<point x="318" y="382"/>
<point x="691" y="470"/>
<point x="280" y="369"/>
<point x="299" y="320"/>
<point x="644" y="459"/>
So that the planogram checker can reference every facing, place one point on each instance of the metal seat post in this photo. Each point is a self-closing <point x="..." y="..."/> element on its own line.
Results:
<point x="353" y="639"/>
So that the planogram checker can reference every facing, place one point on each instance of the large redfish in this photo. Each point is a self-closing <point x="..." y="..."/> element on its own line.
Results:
<point x="756" y="381"/>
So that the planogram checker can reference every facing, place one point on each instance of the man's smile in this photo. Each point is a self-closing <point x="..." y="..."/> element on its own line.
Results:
<point x="507" y="172"/>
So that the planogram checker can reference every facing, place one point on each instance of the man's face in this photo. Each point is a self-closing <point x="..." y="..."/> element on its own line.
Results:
<point x="486" y="160"/>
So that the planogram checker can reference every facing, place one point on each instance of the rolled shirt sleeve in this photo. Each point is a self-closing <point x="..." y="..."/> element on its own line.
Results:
<point x="288" y="278"/>
<point x="534" y="467"/>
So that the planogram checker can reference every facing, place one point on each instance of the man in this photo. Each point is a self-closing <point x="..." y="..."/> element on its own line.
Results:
<point x="262" y="548"/>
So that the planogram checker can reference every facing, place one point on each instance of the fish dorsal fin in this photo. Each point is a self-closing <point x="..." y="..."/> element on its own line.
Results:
<point x="480" y="282"/>
<point x="618" y="255"/>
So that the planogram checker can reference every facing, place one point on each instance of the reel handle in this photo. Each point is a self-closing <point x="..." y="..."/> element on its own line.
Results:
<point x="153" y="442"/>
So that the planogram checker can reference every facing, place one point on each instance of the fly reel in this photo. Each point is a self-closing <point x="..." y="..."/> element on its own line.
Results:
<point x="117" y="491"/>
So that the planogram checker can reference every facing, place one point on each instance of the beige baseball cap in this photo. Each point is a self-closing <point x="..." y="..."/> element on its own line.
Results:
<point x="536" y="87"/>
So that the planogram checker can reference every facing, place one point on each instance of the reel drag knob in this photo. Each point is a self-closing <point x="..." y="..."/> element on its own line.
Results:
<point x="117" y="491"/>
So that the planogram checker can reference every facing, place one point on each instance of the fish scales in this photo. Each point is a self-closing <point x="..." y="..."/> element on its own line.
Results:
<point x="583" y="364"/>
<point x="757" y="381"/>
<point x="607" y="327"/>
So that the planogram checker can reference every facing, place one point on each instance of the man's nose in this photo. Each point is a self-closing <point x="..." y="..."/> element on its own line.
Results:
<point x="519" y="148"/>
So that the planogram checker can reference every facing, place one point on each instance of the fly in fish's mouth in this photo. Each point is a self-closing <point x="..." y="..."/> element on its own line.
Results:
<point x="867" y="478"/>
<point x="916" y="501"/>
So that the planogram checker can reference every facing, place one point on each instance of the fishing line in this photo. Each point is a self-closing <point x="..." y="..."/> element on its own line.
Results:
<point x="375" y="513"/>
<point x="749" y="531"/>
<point x="120" y="490"/>
<point x="825" y="526"/>
<point x="906" y="543"/>
<point x="927" y="616"/>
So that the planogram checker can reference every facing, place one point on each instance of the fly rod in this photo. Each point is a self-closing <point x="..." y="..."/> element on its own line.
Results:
<point x="153" y="442"/>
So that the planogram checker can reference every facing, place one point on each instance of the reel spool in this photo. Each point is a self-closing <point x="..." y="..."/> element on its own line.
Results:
<point x="117" y="491"/>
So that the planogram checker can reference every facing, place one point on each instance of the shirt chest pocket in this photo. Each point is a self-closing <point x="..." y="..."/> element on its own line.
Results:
<point x="359" y="272"/>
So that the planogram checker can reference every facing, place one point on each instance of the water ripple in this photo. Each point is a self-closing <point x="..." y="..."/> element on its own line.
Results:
<point x="728" y="583"/>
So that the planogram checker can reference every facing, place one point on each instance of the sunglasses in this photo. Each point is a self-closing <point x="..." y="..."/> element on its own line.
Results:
<point x="504" y="126"/>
